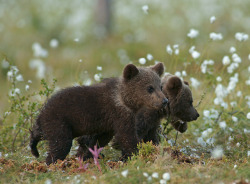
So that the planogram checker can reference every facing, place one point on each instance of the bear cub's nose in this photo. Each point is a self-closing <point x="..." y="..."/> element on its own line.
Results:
<point x="165" y="102"/>
<point x="197" y="115"/>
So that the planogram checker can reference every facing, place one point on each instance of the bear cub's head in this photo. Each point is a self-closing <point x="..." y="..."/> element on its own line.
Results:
<point x="180" y="99"/>
<point x="141" y="87"/>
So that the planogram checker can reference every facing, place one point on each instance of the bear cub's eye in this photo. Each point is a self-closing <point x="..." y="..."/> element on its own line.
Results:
<point x="150" y="89"/>
<point x="161" y="87"/>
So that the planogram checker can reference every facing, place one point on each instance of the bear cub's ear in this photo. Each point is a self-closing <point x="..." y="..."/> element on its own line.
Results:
<point x="130" y="71"/>
<point x="174" y="83"/>
<point x="185" y="82"/>
<point x="158" y="68"/>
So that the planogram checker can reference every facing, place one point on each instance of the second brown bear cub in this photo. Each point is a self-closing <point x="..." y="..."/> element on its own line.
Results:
<point x="179" y="110"/>
<point x="105" y="109"/>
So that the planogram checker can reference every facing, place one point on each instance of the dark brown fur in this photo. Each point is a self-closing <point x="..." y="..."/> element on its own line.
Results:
<point x="180" y="110"/>
<point x="105" y="109"/>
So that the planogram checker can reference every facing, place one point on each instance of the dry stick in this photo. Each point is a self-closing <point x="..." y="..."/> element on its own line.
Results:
<point x="176" y="138"/>
<point x="14" y="140"/>
<point x="177" y="134"/>
<point x="202" y="97"/>
<point x="217" y="119"/>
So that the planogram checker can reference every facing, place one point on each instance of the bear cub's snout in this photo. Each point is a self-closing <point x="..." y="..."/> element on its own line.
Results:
<point x="196" y="116"/>
<point x="165" y="102"/>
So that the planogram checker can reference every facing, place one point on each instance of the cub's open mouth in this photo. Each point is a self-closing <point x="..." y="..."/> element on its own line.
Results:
<point x="182" y="122"/>
<point x="179" y="125"/>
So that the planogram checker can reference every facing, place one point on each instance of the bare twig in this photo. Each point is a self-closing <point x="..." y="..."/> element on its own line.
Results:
<point x="202" y="97"/>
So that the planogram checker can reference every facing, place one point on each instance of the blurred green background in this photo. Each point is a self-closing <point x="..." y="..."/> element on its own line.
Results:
<point x="74" y="37"/>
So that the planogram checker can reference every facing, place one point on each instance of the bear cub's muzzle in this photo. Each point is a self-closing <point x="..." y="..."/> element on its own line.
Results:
<point x="165" y="102"/>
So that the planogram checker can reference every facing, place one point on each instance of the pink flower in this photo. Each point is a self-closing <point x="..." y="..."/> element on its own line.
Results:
<point x="95" y="154"/>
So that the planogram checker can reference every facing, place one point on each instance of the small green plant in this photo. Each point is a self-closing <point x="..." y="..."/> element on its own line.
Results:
<point x="23" y="110"/>
<point x="146" y="151"/>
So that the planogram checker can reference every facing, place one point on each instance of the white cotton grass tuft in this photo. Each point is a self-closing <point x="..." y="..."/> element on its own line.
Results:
<point x="27" y="87"/>
<point x="12" y="72"/>
<point x="248" y="115"/>
<point x="233" y="104"/>
<point x="48" y="181"/>
<point x="212" y="19"/>
<point x="193" y="33"/>
<point x="39" y="65"/>
<point x="150" y="57"/>
<point x="204" y="65"/>
<point x="218" y="79"/>
<point x="236" y="58"/>
<point x="241" y="36"/>
<point x="145" y="9"/>
<point x="205" y="133"/>
<point x="163" y="181"/>
<point x="99" y="68"/>
<point x="184" y="73"/>
<point x="191" y="49"/>
<point x="248" y="82"/>
<point x="19" y="77"/>
<point x="87" y="82"/>
<point x="166" y="176"/>
<point x="232" y="50"/>
<point x="217" y="152"/>
<point x="210" y="141"/>
<point x="5" y="64"/>
<point x="215" y="36"/>
<point x="169" y="50"/>
<point x="76" y="40"/>
<point x="235" y="119"/>
<point x="124" y="173"/>
<point x="38" y="51"/>
<point x="232" y="67"/>
<point x="232" y="82"/>
<point x="155" y="175"/>
<point x="194" y="82"/>
<point x="239" y="94"/>
<point x="176" y="49"/>
<point x="54" y="43"/>
<point x="206" y="113"/>
<point x="226" y="60"/>
<point x="222" y="124"/>
<point x="178" y="74"/>
<point x="14" y="92"/>
<point x="145" y="174"/>
<point x="142" y="61"/>
<point x="98" y="77"/>
<point x="221" y="91"/>
<point x="195" y="54"/>
<point x="201" y="141"/>
<point x="149" y="178"/>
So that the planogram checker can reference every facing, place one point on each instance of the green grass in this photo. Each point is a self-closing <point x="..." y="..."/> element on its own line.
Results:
<point x="202" y="170"/>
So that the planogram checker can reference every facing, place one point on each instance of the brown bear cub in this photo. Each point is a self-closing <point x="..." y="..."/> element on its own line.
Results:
<point x="105" y="109"/>
<point x="179" y="111"/>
